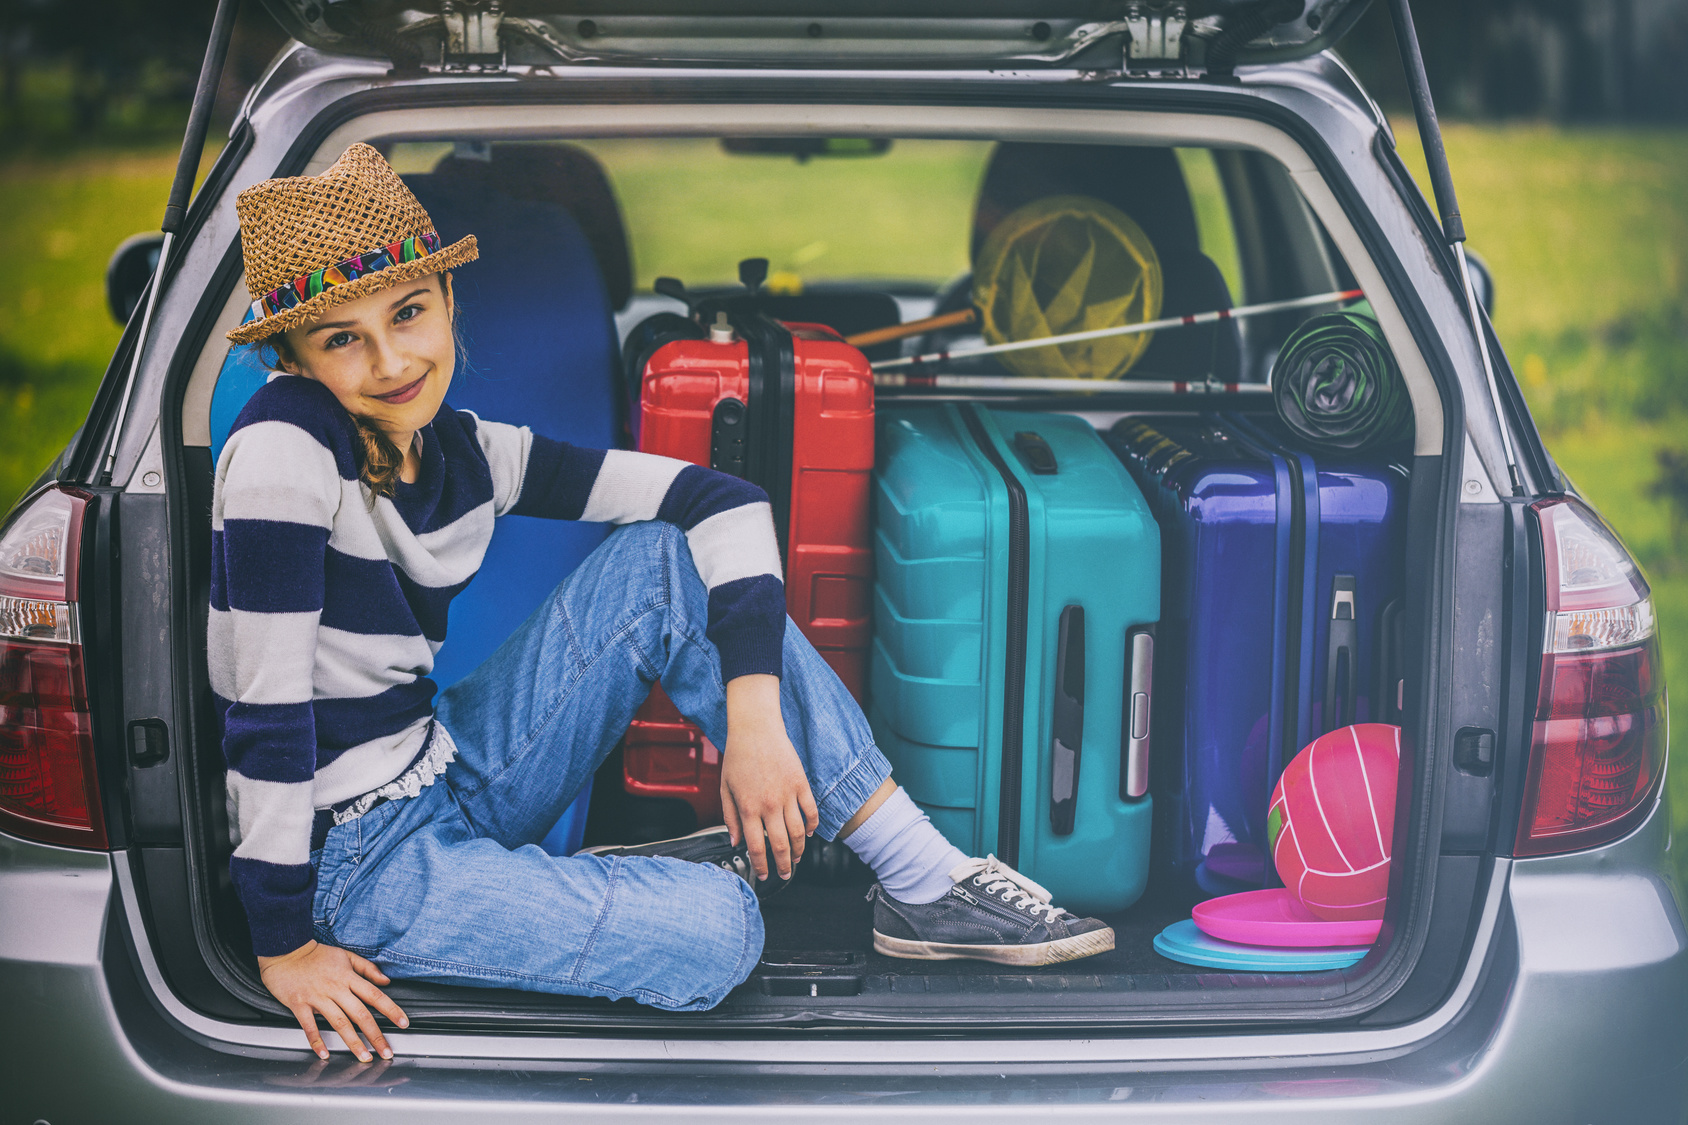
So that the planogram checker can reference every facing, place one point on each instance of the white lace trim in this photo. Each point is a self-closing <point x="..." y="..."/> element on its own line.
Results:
<point x="441" y="751"/>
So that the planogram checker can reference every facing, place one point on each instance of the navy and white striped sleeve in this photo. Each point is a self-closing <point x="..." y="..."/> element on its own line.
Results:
<point x="728" y="523"/>
<point x="278" y="488"/>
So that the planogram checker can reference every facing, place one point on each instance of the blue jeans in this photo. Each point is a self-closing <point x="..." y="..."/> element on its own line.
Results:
<point x="451" y="885"/>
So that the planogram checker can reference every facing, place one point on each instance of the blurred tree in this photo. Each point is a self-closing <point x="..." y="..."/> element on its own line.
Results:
<point x="140" y="52"/>
<point x="1671" y="486"/>
<point x="120" y="47"/>
<point x="1557" y="59"/>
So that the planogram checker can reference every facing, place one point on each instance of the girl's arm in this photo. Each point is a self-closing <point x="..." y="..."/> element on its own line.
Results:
<point x="277" y="491"/>
<point x="727" y="522"/>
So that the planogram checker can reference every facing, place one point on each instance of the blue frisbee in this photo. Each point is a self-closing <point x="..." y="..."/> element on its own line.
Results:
<point x="1183" y="942"/>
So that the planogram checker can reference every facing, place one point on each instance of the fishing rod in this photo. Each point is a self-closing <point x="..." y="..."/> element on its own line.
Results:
<point x="1104" y="333"/>
<point x="1022" y="384"/>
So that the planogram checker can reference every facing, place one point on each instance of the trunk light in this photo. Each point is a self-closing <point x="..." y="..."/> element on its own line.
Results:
<point x="1598" y="743"/>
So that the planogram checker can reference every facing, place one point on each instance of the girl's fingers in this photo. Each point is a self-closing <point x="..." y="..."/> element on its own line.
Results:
<point x="756" y="842"/>
<point x="780" y="841"/>
<point x="811" y="811"/>
<point x="368" y="969"/>
<point x="365" y="1021"/>
<point x="795" y="828"/>
<point x="343" y="1028"/>
<point x="380" y="1001"/>
<point x="307" y="1021"/>
<point x="729" y="814"/>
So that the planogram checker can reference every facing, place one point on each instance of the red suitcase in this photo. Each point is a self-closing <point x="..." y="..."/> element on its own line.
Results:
<point x="788" y="406"/>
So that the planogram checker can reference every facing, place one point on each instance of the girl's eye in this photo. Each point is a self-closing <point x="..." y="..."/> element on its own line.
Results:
<point x="338" y="340"/>
<point x="409" y="312"/>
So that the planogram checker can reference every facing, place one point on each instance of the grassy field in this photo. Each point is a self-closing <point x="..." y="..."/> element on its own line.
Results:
<point x="1586" y="231"/>
<point x="65" y="215"/>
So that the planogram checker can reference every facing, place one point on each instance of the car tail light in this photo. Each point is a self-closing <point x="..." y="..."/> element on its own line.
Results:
<point x="1598" y="744"/>
<point x="49" y="790"/>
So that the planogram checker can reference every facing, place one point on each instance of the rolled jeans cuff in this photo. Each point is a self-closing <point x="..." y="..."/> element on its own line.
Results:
<point x="851" y="790"/>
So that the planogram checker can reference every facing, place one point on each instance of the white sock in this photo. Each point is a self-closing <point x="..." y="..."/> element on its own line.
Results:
<point x="911" y="859"/>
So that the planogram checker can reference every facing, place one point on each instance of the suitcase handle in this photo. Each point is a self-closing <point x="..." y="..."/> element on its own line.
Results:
<point x="1134" y="730"/>
<point x="1342" y="687"/>
<point x="1034" y="451"/>
<point x="1067" y="733"/>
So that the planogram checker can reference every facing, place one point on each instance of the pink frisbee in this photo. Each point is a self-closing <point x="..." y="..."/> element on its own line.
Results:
<point x="1275" y="917"/>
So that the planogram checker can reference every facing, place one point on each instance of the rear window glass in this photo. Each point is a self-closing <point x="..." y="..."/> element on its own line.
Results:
<point x="909" y="218"/>
<point x="693" y="209"/>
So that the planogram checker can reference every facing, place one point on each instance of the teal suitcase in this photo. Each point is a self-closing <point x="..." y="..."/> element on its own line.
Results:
<point x="1017" y="586"/>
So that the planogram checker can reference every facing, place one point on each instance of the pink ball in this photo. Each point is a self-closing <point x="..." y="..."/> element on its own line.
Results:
<point x="1332" y="818"/>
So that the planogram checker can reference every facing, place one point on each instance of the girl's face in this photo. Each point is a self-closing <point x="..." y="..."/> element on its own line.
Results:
<point x="388" y="357"/>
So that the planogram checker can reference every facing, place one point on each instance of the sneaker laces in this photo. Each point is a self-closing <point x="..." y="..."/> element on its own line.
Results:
<point x="997" y="878"/>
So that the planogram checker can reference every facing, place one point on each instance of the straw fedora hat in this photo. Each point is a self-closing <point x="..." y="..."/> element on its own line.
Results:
<point x="313" y="242"/>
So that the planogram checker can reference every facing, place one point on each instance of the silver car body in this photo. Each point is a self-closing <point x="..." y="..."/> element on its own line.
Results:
<point x="1565" y="990"/>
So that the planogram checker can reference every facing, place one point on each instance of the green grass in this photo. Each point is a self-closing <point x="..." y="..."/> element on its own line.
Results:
<point x="1586" y="231"/>
<point x="65" y="214"/>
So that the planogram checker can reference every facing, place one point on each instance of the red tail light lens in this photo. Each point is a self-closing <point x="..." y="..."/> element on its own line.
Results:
<point x="1598" y="747"/>
<point x="48" y="787"/>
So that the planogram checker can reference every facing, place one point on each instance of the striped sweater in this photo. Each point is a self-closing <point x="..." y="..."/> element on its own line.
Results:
<point x="327" y="609"/>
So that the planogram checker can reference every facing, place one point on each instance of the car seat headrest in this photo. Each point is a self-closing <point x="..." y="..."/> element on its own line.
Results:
<point x="1146" y="183"/>
<point x="561" y="175"/>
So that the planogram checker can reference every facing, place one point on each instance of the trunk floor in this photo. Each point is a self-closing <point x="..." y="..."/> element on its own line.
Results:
<point x="808" y="918"/>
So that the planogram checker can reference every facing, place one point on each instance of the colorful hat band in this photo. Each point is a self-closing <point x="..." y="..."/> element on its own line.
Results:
<point x="362" y="265"/>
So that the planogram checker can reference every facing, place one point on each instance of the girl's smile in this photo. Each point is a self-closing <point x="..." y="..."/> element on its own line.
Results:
<point x="403" y="394"/>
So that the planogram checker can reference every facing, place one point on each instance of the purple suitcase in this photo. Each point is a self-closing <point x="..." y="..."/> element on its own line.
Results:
<point x="1281" y="578"/>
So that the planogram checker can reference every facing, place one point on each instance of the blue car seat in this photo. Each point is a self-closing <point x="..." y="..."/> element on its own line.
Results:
<point x="540" y="349"/>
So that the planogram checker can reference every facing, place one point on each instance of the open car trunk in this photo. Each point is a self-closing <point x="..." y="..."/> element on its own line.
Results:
<point x="654" y="205"/>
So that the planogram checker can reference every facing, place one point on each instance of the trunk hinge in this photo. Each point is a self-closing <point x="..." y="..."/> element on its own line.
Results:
<point x="1156" y="36"/>
<point x="473" y="37"/>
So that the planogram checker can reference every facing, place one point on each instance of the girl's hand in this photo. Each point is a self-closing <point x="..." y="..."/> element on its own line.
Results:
<point x="764" y="793"/>
<point x="340" y="985"/>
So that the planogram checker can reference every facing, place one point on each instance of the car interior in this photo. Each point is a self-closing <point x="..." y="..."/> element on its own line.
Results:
<point x="574" y="233"/>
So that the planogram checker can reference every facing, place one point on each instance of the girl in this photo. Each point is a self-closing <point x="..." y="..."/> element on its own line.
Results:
<point x="381" y="831"/>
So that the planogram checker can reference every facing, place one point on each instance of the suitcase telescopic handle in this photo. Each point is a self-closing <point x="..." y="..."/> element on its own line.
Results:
<point x="1136" y="716"/>
<point x="1342" y="686"/>
<point x="1067" y="735"/>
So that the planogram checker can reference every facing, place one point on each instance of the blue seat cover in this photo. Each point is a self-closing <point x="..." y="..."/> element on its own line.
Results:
<point x="539" y="349"/>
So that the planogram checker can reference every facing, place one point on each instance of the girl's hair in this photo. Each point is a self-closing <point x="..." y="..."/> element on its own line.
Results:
<point x="380" y="458"/>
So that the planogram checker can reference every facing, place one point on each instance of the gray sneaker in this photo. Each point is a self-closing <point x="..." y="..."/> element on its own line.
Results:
<point x="993" y="913"/>
<point x="708" y="845"/>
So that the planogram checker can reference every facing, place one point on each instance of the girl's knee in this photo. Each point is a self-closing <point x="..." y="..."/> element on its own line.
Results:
<point x="688" y="931"/>
<point x="654" y="536"/>
<point x="732" y="919"/>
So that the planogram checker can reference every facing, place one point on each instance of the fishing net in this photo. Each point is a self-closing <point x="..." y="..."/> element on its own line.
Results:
<point x="1067" y="263"/>
<point x="1336" y="385"/>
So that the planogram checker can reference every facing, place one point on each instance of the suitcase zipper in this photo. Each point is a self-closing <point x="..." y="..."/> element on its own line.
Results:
<point x="1288" y="583"/>
<point x="769" y="413"/>
<point x="1014" y="674"/>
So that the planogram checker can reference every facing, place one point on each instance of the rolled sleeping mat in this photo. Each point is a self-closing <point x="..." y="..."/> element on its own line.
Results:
<point x="1336" y="385"/>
